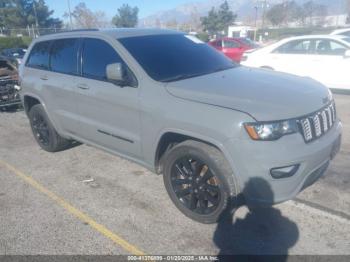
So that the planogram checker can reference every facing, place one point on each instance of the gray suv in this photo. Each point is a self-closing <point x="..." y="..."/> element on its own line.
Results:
<point x="176" y="106"/>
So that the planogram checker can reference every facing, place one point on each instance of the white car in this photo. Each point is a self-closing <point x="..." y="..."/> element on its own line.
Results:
<point x="344" y="31"/>
<point x="325" y="58"/>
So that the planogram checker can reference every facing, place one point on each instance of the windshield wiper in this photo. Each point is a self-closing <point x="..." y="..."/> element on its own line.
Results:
<point x="181" y="77"/>
<point x="186" y="76"/>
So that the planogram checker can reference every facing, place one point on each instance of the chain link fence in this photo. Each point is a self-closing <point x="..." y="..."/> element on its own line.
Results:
<point x="30" y="31"/>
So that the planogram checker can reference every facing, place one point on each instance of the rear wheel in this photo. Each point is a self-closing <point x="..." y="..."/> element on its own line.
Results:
<point x="199" y="181"/>
<point x="44" y="132"/>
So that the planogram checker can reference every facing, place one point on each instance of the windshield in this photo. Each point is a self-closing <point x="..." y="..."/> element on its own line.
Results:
<point x="168" y="58"/>
<point x="347" y="39"/>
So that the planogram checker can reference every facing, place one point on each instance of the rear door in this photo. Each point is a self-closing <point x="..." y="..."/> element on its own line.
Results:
<point x="61" y="83"/>
<point x="54" y="81"/>
<point x="109" y="113"/>
<point x="294" y="57"/>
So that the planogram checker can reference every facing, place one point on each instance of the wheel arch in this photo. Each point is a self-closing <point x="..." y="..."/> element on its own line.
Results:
<point x="169" y="138"/>
<point x="31" y="100"/>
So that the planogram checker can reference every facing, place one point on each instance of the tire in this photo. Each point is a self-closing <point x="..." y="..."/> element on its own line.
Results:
<point x="44" y="132"/>
<point x="199" y="181"/>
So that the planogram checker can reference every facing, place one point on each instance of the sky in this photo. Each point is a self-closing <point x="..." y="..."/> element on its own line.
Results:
<point x="110" y="7"/>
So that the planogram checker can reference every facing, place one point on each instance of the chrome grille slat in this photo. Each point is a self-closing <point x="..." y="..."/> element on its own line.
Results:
<point x="325" y="121"/>
<point x="317" y="124"/>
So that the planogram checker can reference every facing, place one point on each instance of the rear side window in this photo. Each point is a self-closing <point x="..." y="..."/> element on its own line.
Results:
<point x="329" y="47"/>
<point x="64" y="56"/>
<point x="39" y="56"/>
<point x="97" y="54"/>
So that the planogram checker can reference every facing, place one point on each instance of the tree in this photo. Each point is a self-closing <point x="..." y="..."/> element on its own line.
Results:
<point x="127" y="16"/>
<point x="218" y="21"/>
<point x="85" y="18"/>
<point x="276" y="14"/>
<point x="311" y="10"/>
<point x="43" y="15"/>
<point x="290" y="11"/>
<point x="21" y="13"/>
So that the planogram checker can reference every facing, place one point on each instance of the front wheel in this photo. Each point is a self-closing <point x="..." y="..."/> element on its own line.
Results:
<point x="199" y="181"/>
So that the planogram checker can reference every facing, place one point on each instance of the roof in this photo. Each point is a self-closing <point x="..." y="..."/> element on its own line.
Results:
<point x="115" y="33"/>
<point x="339" y="37"/>
<point x="340" y="31"/>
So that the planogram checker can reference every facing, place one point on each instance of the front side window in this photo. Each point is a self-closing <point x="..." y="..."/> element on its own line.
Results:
<point x="64" y="56"/>
<point x="172" y="57"/>
<point x="39" y="56"/>
<point x="295" y="47"/>
<point x="330" y="47"/>
<point x="97" y="54"/>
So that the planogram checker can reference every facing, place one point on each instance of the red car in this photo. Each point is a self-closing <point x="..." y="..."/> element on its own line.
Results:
<point x="233" y="47"/>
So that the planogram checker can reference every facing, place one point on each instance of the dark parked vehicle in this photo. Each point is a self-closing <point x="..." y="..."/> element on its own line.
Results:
<point x="8" y="84"/>
<point x="15" y="54"/>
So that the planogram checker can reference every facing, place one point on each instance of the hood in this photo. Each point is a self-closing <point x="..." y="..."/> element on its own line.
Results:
<point x="263" y="94"/>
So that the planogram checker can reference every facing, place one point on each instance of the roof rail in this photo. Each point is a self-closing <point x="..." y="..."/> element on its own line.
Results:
<point x="73" y="30"/>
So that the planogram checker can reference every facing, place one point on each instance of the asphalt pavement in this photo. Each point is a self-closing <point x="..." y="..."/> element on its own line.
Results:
<point x="84" y="201"/>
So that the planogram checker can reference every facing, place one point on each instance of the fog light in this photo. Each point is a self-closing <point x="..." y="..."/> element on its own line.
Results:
<point x="284" y="172"/>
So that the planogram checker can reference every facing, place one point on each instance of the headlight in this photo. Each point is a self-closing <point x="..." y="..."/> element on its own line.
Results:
<point x="271" y="131"/>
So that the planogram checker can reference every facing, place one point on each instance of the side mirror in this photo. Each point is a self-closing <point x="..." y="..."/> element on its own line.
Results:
<point x="347" y="54"/>
<point x="116" y="73"/>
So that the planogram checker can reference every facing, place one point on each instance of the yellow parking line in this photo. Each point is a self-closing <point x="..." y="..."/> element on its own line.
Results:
<point x="74" y="211"/>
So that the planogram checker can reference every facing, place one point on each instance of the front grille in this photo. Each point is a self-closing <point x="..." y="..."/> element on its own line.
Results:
<point x="317" y="124"/>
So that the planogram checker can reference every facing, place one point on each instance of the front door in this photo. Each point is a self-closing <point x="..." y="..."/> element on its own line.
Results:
<point x="109" y="113"/>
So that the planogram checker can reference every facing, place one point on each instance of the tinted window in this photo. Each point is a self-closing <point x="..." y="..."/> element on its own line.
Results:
<point x="174" y="57"/>
<point x="329" y="47"/>
<point x="64" y="53"/>
<point x="296" y="47"/>
<point x="97" y="54"/>
<point x="217" y="43"/>
<point x="39" y="56"/>
<point x="231" y="44"/>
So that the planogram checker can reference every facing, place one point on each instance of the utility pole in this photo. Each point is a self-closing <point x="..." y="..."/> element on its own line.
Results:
<point x="256" y="21"/>
<point x="70" y="16"/>
<point x="264" y="14"/>
<point x="36" y="18"/>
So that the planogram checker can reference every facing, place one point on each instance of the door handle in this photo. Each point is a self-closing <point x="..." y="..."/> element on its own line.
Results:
<point x="83" y="86"/>
<point x="44" y="78"/>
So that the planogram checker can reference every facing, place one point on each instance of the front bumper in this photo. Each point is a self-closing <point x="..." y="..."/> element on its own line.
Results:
<point x="253" y="160"/>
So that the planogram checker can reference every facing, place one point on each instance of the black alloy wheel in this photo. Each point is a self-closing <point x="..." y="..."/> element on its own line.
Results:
<point x="41" y="130"/>
<point x="195" y="185"/>
<point x="199" y="181"/>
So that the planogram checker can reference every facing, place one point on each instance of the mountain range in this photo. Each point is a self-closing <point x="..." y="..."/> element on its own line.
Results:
<point x="243" y="8"/>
